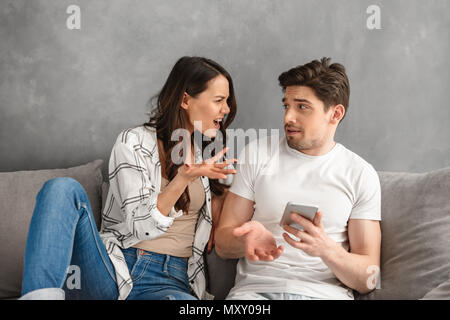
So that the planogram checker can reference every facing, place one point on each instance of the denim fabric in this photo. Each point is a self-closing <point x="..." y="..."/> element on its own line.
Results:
<point x="63" y="233"/>
<point x="157" y="276"/>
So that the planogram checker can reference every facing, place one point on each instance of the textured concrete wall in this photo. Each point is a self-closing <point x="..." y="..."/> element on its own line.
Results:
<point x="66" y="94"/>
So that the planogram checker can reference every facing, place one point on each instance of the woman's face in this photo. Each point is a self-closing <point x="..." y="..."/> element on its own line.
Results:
<point x="207" y="109"/>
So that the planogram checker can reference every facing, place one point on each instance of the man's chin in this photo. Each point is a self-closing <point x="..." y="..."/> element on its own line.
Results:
<point x="295" y="143"/>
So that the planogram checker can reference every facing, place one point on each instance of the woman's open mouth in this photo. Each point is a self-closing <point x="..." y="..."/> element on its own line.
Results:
<point x="217" y="123"/>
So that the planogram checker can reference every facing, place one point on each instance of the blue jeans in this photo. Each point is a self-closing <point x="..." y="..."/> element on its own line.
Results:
<point x="157" y="276"/>
<point x="63" y="233"/>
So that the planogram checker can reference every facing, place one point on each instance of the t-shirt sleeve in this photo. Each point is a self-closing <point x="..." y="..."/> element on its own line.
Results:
<point x="246" y="172"/>
<point x="368" y="196"/>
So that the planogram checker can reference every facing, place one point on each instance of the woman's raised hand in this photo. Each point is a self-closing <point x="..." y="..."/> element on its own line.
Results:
<point x="209" y="168"/>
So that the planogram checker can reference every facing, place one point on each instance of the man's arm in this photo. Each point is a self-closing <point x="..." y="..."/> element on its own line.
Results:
<point x="235" y="212"/>
<point x="237" y="236"/>
<point x="355" y="268"/>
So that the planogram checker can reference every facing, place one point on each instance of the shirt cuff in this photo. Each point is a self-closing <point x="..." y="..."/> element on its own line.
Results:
<point x="163" y="220"/>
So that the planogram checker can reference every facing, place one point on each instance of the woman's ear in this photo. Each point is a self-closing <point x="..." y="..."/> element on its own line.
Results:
<point x="185" y="101"/>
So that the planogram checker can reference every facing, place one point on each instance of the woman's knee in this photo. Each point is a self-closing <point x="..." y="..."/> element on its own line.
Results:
<point x="62" y="186"/>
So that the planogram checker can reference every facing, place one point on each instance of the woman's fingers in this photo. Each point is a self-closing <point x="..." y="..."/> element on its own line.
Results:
<point x="220" y="165"/>
<point x="225" y="164"/>
<point x="216" y="173"/>
<point x="226" y="171"/>
<point x="217" y="156"/>
<point x="230" y="161"/>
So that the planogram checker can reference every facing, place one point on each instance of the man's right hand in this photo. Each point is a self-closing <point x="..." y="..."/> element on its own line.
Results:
<point x="260" y="243"/>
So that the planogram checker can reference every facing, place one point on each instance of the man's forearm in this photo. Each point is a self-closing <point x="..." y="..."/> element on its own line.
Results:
<point x="354" y="270"/>
<point x="227" y="245"/>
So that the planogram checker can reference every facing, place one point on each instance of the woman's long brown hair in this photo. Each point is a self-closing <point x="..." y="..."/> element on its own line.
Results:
<point x="190" y="75"/>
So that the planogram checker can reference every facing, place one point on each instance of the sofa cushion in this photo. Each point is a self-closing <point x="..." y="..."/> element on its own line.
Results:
<point x="105" y="189"/>
<point x="18" y="191"/>
<point x="221" y="274"/>
<point x="415" y="250"/>
<point x="442" y="292"/>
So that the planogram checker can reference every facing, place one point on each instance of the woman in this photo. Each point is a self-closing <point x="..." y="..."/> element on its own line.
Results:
<point x="157" y="217"/>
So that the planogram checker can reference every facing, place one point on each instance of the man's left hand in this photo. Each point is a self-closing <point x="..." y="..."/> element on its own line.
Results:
<point x="313" y="239"/>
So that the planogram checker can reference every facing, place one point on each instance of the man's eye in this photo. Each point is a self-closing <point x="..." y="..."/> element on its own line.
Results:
<point x="301" y="106"/>
<point x="284" y="106"/>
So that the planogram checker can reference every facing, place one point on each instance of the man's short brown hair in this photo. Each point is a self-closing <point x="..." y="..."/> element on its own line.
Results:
<point x="329" y="82"/>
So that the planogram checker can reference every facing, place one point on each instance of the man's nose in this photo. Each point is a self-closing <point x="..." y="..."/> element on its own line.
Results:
<point x="289" y="116"/>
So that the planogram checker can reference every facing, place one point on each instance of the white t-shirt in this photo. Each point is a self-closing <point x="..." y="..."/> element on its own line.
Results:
<point x="342" y="184"/>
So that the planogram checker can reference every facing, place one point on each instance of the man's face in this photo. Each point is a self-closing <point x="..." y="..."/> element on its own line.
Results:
<point x="306" y="124"/>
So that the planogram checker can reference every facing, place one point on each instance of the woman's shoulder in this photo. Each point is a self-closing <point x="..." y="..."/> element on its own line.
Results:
<point x="140" y="135"/>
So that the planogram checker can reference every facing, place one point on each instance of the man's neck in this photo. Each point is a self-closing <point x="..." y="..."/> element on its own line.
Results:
<point x="319" y="151"/>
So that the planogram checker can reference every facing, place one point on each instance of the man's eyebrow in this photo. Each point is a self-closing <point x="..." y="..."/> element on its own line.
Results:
<point x="297" y="100"/>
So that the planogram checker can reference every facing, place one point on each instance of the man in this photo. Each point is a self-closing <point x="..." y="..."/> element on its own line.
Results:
<point x="340" y="249"/>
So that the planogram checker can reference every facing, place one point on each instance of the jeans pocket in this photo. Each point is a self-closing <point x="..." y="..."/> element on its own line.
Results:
<point x="136" y="265"/>
<point x="139" y="268"/>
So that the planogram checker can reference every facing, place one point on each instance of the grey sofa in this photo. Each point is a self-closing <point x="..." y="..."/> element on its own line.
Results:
<point x="415" y="251"/>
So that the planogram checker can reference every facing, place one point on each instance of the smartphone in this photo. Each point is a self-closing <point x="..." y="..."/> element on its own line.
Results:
<point x="307" y="211"/>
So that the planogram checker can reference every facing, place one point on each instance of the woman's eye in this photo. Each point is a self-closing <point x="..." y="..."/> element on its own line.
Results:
<point x="284" y="107"/>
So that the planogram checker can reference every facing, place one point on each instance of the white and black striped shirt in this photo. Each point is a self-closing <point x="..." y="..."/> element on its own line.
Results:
<point x="130" y="214"/>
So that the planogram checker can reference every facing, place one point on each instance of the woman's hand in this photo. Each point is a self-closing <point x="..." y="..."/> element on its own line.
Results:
<point x="209" y="168"/>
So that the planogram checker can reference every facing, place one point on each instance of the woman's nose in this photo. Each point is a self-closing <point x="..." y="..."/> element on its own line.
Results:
<point x="226" y="108"/>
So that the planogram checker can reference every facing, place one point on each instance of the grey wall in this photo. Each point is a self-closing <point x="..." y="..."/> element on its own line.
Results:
<point x="66" y="94"/>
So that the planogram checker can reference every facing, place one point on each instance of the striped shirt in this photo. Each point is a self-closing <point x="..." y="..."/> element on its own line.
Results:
<point x="130" y="214"/>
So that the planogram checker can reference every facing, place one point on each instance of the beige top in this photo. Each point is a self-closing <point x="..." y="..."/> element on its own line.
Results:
<point x="179" y="238"/>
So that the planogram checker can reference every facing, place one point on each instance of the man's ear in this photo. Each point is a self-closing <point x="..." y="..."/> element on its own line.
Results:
<point x="338" y="113"/>
<point x="185" y="101"/>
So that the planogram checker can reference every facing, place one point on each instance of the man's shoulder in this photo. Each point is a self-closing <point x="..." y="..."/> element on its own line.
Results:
<point x="354" y="161"/>
<point x="260" y="149"/>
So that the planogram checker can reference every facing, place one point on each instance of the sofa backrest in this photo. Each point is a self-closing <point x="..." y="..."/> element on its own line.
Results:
<point x="415" y="226"/>
<point x="415" y="250"/>
<point x="18" y="192"/>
